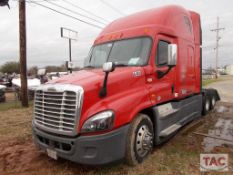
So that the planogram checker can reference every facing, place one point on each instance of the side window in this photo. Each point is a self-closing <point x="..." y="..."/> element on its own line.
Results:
<point x="162" y="53"/>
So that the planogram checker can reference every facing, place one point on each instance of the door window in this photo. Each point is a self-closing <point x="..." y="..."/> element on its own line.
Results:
<point x="162" y="53"/>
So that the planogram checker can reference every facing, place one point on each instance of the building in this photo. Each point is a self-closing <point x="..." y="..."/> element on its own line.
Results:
<point x="229" y="69"/>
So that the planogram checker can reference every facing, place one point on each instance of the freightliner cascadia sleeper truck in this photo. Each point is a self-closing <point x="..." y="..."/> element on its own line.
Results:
<point x="141" y="83"/>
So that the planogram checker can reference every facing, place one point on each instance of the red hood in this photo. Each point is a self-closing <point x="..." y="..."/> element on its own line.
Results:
<point x="81" y="78"/>
<point x="94" y="77"/>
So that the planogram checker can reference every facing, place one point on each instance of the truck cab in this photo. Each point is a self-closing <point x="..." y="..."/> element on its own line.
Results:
<point x="140" y="85"/>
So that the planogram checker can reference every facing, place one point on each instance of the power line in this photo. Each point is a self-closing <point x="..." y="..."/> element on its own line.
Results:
<point x="35" y="0"/>
<point x="65" y="14"/>
<point x="89" y="12"/>
<point x="74" y="12"/>
<point x="112" y="7"/>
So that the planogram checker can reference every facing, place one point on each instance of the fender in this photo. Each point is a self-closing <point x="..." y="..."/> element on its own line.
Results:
<point x="126" y="105"/>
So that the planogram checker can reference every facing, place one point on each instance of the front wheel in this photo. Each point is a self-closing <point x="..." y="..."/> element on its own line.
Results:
<point x="139" y="140"/>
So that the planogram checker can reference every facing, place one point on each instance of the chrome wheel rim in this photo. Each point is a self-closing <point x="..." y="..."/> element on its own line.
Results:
<point x="144" y="141"/>
<point x="207" y="105"/>
<point x="213" y="101"/>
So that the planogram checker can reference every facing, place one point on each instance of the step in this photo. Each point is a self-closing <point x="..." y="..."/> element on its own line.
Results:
<point x="169" y="130"/>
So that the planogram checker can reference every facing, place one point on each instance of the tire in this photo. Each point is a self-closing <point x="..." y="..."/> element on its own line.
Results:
<point x="206" y="105"/>
<point x="140" y="140"/>
<point x="213" y="102"/>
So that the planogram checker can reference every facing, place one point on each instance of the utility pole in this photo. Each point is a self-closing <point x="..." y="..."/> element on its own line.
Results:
<point x="70" y="56"/>
<point x="23" y="52"/>
<point x="217" y="45"/>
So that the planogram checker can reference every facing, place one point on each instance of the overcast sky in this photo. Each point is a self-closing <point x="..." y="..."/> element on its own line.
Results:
<point x="46" y="47"/>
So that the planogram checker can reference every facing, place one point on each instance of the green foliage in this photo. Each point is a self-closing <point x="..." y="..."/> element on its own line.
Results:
<point x="12" y="105"/>
<point x="61" y="68"/>
<point x="10" y="67"/>
<point x="33" y="70"/>
<point x="9" y="106"/>
<point x="209" y="81"/>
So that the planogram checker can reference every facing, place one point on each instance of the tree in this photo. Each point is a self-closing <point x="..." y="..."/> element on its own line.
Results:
<point x="10" y="67"/>
<point x="33" y="70"/>
<point x="61" y="68"/>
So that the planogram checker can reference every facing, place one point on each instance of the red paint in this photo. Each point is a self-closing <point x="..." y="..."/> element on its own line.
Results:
<point x="128" y="95"/>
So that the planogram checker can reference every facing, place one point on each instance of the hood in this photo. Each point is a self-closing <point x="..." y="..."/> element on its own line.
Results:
<point x="83" y="78"/>
<point x="93" y="78"/>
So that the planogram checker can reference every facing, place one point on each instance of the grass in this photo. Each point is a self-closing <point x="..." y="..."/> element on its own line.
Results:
<point x="9" y="105"/>
<point x="12" y="105"/>
<point x="206" y="82"/>
<point x="209" y="81"/>
<point x="16" y="122"/>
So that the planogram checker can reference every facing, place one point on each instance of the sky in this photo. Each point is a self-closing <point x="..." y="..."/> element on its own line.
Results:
<point x="46" y="47"/>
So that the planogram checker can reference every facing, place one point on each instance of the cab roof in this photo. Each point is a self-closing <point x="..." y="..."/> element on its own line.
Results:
<point x="172" y="19"/>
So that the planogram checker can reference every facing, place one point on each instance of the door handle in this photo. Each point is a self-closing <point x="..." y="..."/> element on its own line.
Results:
<point x="173" y="88"/>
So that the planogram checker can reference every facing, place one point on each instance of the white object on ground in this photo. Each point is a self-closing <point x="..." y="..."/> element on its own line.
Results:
<point x="31" y="82"/>
<point x="2" y="87"/>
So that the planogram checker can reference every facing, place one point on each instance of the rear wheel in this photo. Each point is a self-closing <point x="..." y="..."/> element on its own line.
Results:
<point x="206" y="105"/>
<point x="139" y="140"/>
<point x="213" y="102"/>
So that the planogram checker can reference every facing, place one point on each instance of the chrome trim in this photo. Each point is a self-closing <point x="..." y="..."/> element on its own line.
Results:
<point x="59" y="108"/>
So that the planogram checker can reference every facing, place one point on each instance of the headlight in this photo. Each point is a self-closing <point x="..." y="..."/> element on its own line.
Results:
<point x="99" y="122"/>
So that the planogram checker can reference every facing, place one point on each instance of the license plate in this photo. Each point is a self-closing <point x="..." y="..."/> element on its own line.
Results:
<point x="52" y="154"/>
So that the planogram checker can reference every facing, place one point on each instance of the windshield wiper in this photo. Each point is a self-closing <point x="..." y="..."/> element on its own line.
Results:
<point x="121" y="65"/>
<point x="88" y="67"/>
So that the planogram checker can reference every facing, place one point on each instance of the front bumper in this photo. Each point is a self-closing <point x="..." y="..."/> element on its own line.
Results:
<point x="92" y="150"/>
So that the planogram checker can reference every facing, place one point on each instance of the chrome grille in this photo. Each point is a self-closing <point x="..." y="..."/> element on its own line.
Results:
<point x="57" y="108"/>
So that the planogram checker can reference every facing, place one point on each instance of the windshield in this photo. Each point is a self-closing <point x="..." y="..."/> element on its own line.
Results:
<point x="130" y="52"/>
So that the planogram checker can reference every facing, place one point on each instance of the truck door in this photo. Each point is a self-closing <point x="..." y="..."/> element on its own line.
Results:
<point x="191" y="70"/>
<point x="162" y="88"/>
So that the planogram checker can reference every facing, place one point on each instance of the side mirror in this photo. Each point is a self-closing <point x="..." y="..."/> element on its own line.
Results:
<point x="172" y="54"/>
<point x="109" y="67"/>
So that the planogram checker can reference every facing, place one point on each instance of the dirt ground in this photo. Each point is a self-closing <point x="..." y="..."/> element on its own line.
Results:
<point x="180" y="155"/>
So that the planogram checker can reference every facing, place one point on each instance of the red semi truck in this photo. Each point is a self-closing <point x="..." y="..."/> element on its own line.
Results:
<point x="141" y="84"/>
